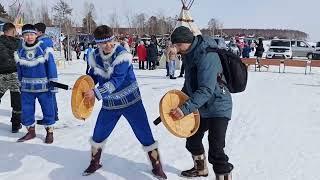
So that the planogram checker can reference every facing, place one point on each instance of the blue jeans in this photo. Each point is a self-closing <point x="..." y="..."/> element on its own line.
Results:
<point x="167" y="68"/>
<point x="172" y="67"/>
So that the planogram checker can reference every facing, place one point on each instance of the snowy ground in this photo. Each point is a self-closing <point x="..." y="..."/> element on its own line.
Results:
<point x="272" y="136"/>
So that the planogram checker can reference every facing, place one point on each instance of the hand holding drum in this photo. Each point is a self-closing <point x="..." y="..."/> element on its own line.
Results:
<point x="83" y="99"/>
<point x="173" y="118"/>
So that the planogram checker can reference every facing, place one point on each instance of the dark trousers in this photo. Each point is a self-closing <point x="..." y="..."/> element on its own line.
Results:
<point x="182" y="69"/>
<point x="141" y="64"/>
<point x="217" y="128"/>
<point x="15" y="99"/>
<point x="152" y="65"/>
<point x="167" y="67"/>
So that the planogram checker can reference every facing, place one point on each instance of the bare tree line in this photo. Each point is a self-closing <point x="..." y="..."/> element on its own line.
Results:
<point x="136" y="23"/>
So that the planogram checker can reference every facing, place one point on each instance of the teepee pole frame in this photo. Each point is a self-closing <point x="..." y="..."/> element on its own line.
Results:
<point x="187" y="5"/>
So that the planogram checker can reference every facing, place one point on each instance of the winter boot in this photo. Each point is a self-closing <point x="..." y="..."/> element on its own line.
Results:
<point x="49" y="137"/>
<point x="96" y="151"/>
<point x="200" y="168"/>
<point x="224" y="176"/>
<point x="172" y="77"/>
<point x="30" y="135"/>
<point x="156" y="164"/>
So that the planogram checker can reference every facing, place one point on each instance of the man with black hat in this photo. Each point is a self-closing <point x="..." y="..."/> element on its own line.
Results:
<point x="211" y="98"/>
<point x="111" y="68"/>
<point x="48" y="45"/>
<point x="36" y="68"/>
<point x="8" y="73"/>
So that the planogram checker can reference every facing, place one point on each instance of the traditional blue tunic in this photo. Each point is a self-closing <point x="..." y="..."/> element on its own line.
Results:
<point x="36" y="67"/>
<point x="118" y="88"/>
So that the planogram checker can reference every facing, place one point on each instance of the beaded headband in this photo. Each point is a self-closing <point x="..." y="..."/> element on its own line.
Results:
<point x="29" y="31"/>
<point x="104" y="40"/>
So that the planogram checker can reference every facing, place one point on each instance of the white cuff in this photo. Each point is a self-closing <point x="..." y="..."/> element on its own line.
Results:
<point x="151" y="147"/>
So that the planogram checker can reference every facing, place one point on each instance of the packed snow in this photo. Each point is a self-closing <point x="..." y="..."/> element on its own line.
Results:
<point x="272" y="135"/>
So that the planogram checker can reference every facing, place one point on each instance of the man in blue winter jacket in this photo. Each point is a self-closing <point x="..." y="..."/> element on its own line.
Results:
<point x="211" y="98"/>
<point x="47" y="43"/>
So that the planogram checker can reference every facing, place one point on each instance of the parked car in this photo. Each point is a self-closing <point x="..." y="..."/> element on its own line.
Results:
<point x="301" y="49"/>
<point x="287" y="49"/>
<point x="280" y="49"/>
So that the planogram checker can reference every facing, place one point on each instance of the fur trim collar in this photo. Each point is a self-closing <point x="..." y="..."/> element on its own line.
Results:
<point x="32" y="47"/>
<point x="106" y="73"/>
<point x="29" y="63"/>
<point x="48" y="51"/>
<point x="35" y="61"/>
<point x="108" y="56"/>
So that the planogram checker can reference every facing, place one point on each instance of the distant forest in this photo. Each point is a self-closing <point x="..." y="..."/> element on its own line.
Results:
<point x="265" y="33"/>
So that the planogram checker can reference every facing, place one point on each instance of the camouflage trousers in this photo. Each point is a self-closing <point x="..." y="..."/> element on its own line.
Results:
<point x="10" y="82"/>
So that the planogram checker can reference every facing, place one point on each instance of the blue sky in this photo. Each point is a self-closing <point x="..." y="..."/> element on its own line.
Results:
<point x="292" y="14"/>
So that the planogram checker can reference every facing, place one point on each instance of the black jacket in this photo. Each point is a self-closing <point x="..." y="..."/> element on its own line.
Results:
<point x="152" y="52"/>
<point x="8" y="45"/>
<point x="259" y="50"/>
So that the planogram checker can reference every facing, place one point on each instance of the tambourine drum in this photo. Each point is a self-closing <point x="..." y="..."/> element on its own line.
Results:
<point x="182" y="128"/>
<point x="82" y="108"/>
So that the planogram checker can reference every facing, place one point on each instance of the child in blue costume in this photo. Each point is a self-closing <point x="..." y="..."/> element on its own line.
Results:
<point x="35" y="67"/>
<point x="47" y="43"/>
<point x="111" y="68"/>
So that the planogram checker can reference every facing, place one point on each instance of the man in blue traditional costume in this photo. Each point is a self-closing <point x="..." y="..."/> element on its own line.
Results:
<point x="111" y="68"/>
<point x="36" y="68"/>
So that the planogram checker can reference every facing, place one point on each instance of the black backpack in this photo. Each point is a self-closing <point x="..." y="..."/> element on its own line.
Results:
<point x="234" y="70"/>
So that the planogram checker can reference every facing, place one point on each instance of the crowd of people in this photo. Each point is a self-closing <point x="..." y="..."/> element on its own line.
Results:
<point x="28" y="68"/>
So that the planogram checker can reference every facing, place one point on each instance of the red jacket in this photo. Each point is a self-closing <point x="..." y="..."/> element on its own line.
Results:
<point x="142" y="53"/>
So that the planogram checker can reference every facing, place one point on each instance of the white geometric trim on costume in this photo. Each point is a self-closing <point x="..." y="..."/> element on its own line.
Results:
<point x="98" y="94"/>
<point x="151" y="147"/>
<point x="34" y="80"/>
<point x="107" y="87"/>
<point x="97" y="145"/>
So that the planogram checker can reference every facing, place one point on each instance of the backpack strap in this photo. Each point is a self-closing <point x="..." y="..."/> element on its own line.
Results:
<point x="220" y="75"/>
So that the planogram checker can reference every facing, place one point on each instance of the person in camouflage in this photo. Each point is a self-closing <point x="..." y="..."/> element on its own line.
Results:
<point x="8" y="73"/>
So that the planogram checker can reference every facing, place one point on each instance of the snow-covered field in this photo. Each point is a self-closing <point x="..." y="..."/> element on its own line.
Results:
<point x="273" y="134"/>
